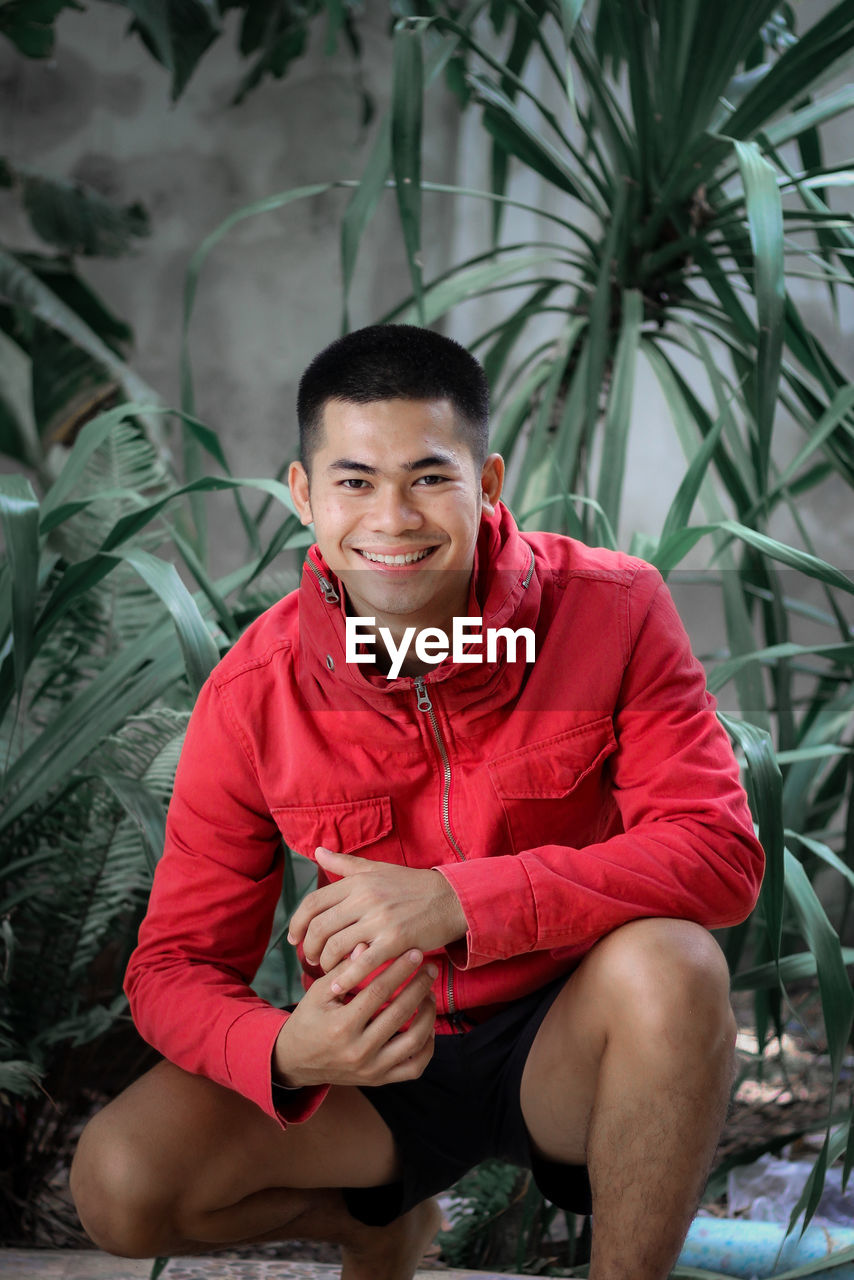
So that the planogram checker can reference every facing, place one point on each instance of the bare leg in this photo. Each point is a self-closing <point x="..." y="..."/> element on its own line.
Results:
<point x="179" y="1165"/>
<point x="631" y="1073"/>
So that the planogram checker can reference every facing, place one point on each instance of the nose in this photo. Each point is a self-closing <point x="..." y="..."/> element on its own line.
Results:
<point x="394" y="511"/>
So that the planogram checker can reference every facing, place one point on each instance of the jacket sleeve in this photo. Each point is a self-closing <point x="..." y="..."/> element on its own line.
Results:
<point x="209" y="919"/>
<point x="687" y="848"/>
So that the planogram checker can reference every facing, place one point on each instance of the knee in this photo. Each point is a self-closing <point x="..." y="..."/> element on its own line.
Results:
<point x="115" y="1195"/>
<point x="668" y="979"/>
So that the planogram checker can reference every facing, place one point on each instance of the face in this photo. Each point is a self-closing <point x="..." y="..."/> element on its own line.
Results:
<point x="396" y="499"/>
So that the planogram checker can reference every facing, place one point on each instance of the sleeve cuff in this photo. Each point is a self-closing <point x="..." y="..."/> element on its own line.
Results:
<point x="293" y="1106"/>
<point x="499" y="907"/>
<point x="248" y="1053"/>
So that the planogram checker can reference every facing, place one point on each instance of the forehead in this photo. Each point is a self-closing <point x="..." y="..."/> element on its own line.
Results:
<point x="390" y="433"/>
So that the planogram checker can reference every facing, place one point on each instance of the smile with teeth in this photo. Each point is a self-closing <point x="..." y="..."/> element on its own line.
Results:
<point x="409" y="557"/>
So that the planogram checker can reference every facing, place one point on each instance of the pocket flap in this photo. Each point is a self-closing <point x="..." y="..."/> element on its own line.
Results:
<point x="553" y="767"/>
<point x="343" y="827"/>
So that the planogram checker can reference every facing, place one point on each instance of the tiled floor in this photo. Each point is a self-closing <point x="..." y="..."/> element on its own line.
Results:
<point x="91" y="1265"/>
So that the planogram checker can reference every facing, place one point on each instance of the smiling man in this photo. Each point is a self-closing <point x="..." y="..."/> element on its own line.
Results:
<point x="520" y="851"/>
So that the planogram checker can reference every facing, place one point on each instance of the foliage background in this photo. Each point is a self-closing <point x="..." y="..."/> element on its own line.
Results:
<point x="192" y="164"/>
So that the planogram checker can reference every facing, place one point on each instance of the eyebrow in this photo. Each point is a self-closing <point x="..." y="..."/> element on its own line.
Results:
<point x="421" y="464"/>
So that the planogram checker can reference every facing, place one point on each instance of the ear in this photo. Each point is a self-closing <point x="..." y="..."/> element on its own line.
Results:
<point x="300" y="491"/>
<point x="491" y="483"/>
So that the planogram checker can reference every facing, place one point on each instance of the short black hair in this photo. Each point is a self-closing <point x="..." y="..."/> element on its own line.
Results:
<point x="391" y="362"/>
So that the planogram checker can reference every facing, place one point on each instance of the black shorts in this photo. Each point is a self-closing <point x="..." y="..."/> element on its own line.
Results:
<point x="463" y="1109"/>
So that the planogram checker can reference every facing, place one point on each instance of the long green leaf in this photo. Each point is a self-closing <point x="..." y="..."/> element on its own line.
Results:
<point x="599" y="337"/>
<point x="765" y="789"/>
<point x="840" y="408"/>
<point x="724" y="671"/>
<point x="804" y="65"/>
<point x="19" y="512"/>
<point x="200" y="653"/>
<point x="837" y="997"/>
<point x="679" y="512"/>
<point x="765" y="221"/>
<point x="139" y="674"/>
<point x="790" y="969"/>
<point x="201" y="254"/>
<point x="22" y="288"/>
<point x="811" y="565"/>
<point x="506" y="123"/>
<point x="360" y="210"/>
<point x="618" y="414"/>
<point x="809" y="117"/>
<point x="129" y="525"/>
<point x="469" y="282"/>
<point x="406" y="123"/>
<point x="143" y="808"/>
<point x="826" y="854"/>
<point x="91" y="437"/>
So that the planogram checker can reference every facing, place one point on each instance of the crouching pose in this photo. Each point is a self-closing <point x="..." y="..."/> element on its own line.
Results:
<point x="500" y="753"/>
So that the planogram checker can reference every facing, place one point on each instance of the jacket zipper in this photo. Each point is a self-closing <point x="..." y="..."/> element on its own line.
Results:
<point x="426" y="707"/>
<point x="330" y="595"/>
<point x="529" y="575"/>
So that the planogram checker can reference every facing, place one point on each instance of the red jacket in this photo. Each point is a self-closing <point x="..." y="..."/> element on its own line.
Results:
<point x="561" y="798"/>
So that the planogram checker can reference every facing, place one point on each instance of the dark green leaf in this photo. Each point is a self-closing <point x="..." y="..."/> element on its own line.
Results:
<point x="765" y="220"/>
<point x="765" y="790"/>
<point x="176" y="33"/>
<point x="61" y="278"/>
<point x="78" y="220"/>
<point x="406" y="122"/>
<point x="24" y="289"/>
<point x="618" y="413"/>
<point x="19" y="510"/>
<point x="29" y="24"/>
<point x="143" y="808"/>
<point x="200" y="652"/>
<point x="361" y="207"/>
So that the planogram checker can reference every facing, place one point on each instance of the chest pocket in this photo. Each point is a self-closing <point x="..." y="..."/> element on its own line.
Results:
<point x="557" y="791"/>
<point x="363" y="827"/>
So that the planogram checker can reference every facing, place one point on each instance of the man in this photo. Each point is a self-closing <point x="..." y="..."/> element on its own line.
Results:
<point x="520" y="845"/>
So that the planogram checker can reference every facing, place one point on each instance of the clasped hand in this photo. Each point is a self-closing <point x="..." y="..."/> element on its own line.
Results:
<point x="379" y="920"/>
<point x="374" y="913"/>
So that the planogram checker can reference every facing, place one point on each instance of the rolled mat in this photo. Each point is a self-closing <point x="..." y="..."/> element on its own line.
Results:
<point x="739" y="1247"/>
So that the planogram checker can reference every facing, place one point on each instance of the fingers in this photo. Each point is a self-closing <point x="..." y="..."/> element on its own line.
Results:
<point x="405" y="1056"/>
<point x="352" y="970"/>
<point x="341" y="943"/>
<point x="400" y="1011"/>
<point x="313" y="905"/>
<point x="403" y="982"/>
<point x="342" y="864"/>
<point x="385" y="1032"/>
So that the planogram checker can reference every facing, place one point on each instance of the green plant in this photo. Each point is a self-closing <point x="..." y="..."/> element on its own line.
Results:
<point x="102" y="649"/>
<point x="499" y="1220"/>
<point x="53" y="324"/>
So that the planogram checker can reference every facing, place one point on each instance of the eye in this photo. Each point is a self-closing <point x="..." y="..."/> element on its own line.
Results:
<point x="431" y="481"/>
<point x="353" y="482"/>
